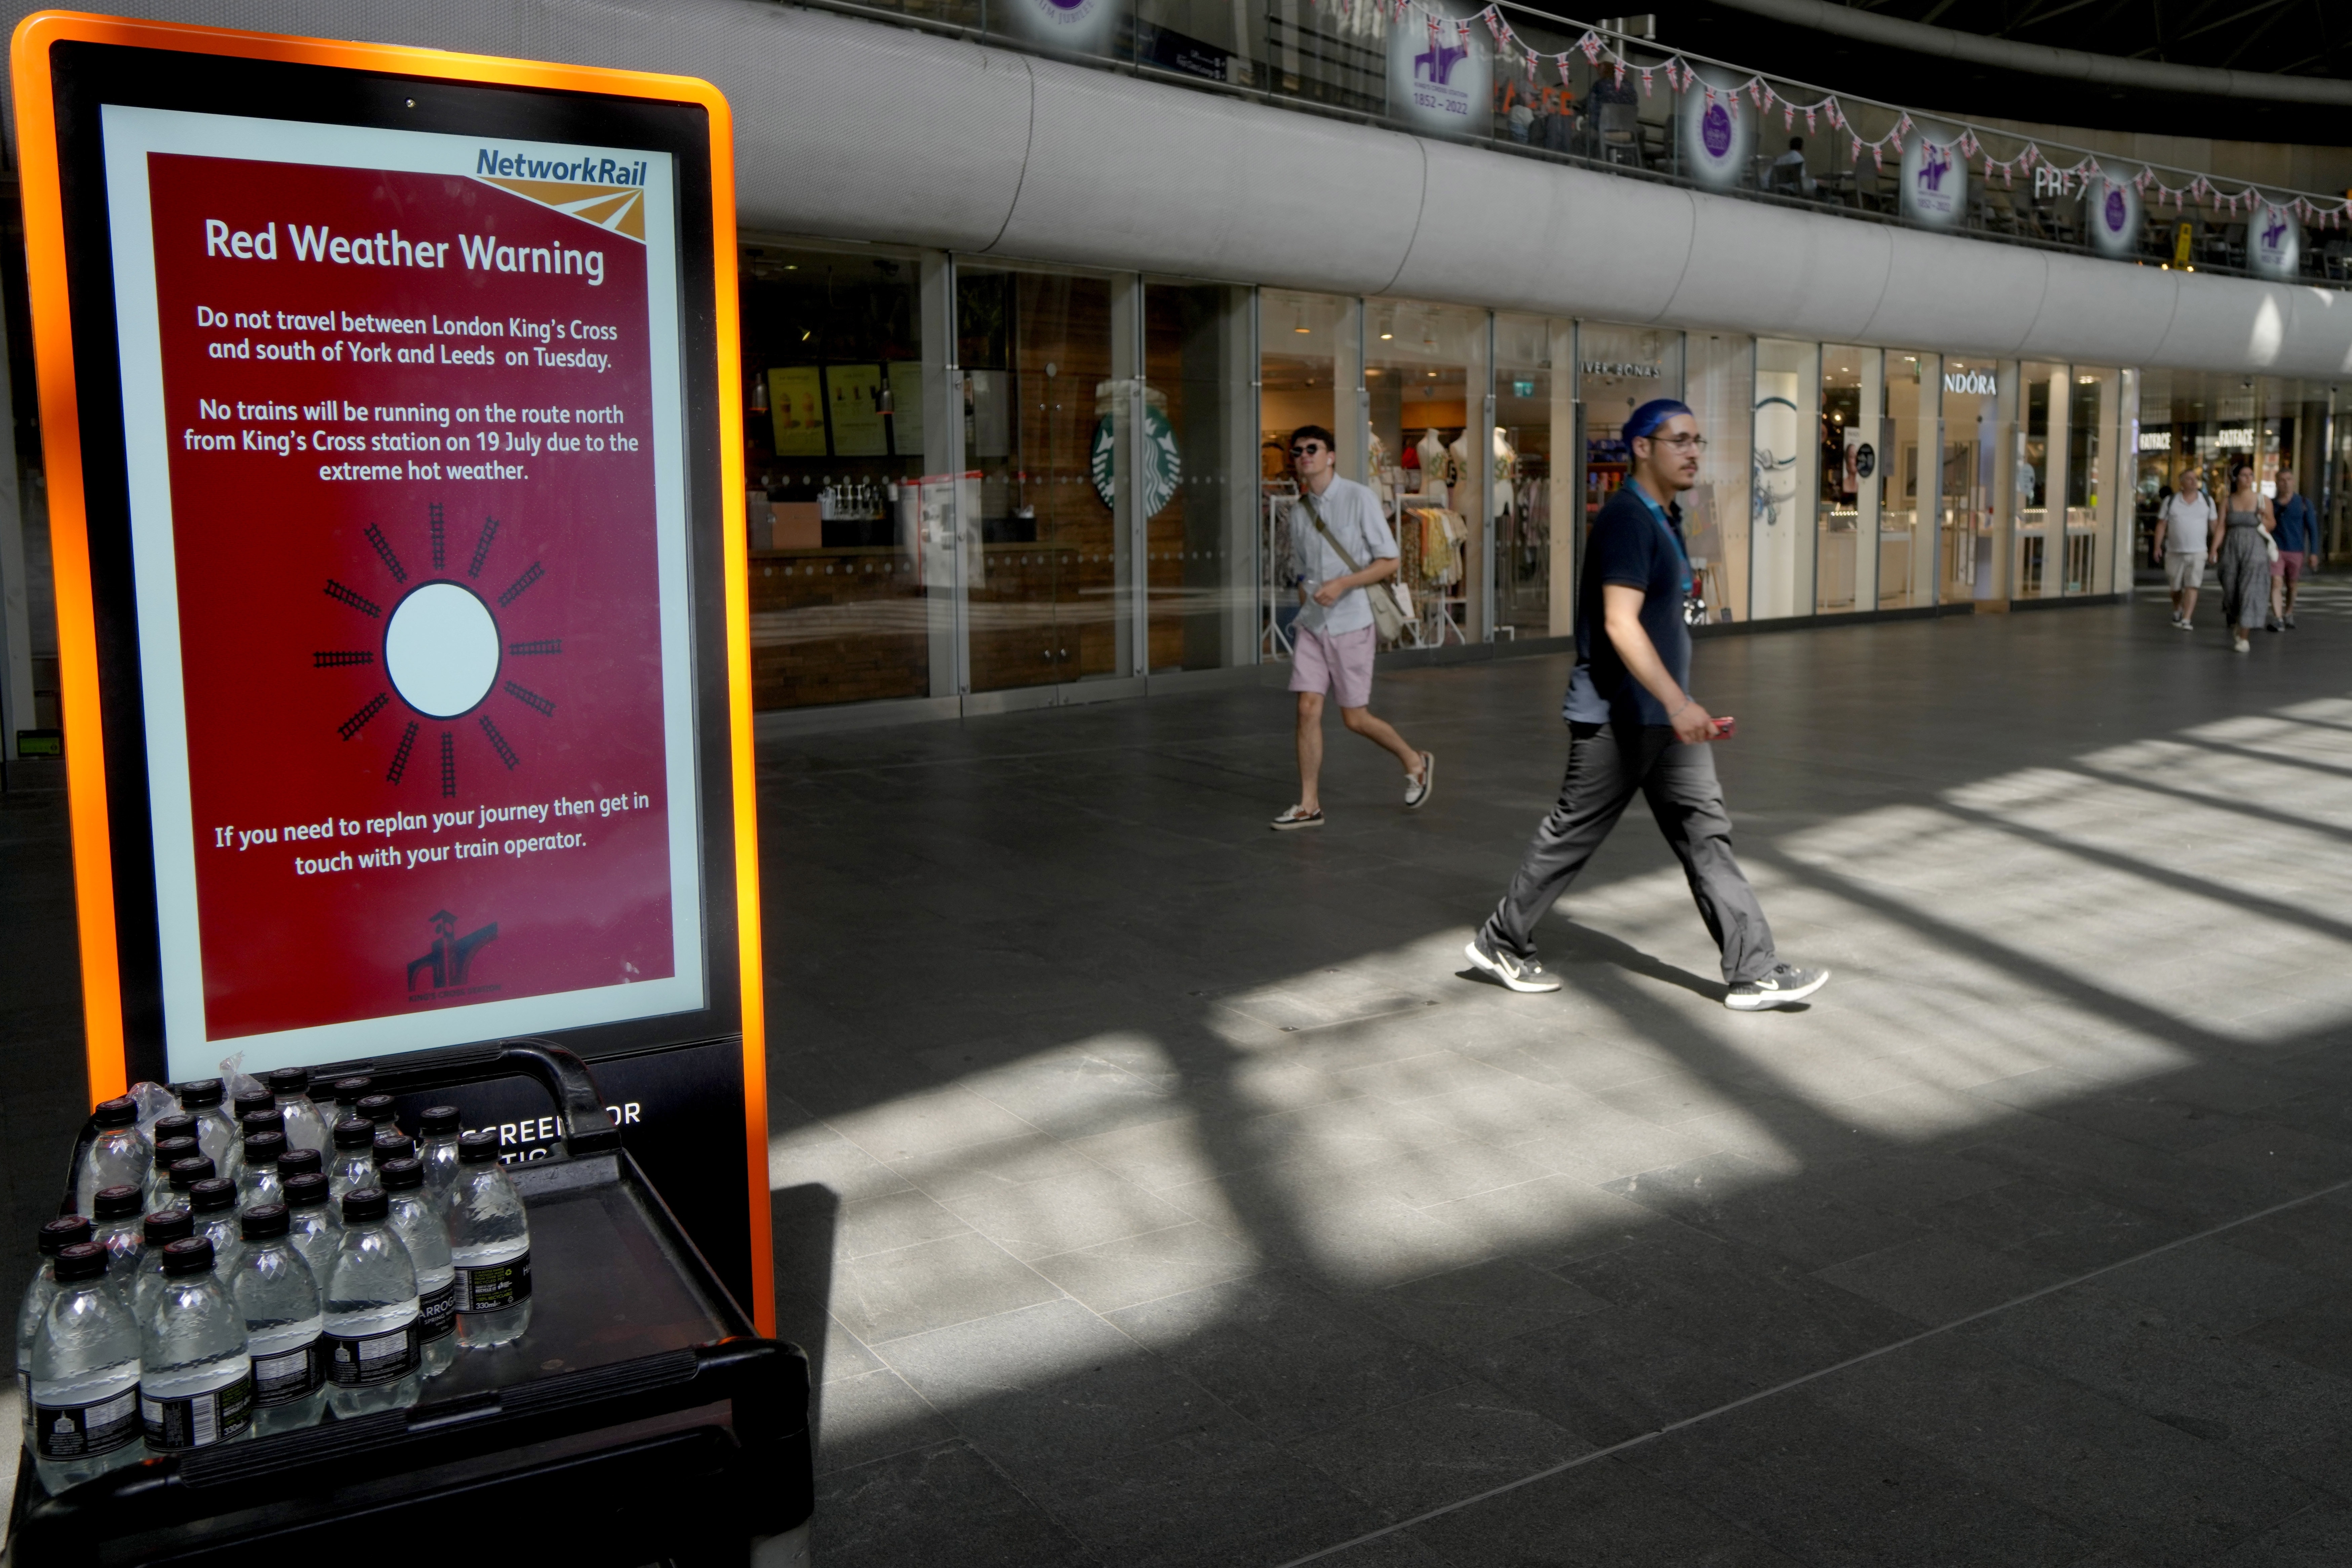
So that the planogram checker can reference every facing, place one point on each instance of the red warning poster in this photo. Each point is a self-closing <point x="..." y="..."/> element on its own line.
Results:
<point x="408" y="537"/>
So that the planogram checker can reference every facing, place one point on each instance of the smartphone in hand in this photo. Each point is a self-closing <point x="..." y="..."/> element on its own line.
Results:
<point x="1725" y="726"/>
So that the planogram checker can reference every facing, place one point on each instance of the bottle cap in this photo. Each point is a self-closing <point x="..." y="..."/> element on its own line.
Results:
<point x="355" y="1133"/>
<point x="363" y="1204"/>
<point x="179" y="1124"/>
<point x="190" y="1255"/>
<point x="202" y="1092"/>
<point x="246" y="1104"/>
<point x="82" y="1260"/>
<point x="401" y="1175"/>
<point x="390" y="1145"/>
<point x="121" y="1112"/>
<point x="119" y="1203"/>
<point x="351" y="1090"/>
<point x="168" y="1224"/>
<point x="187" y="1172"/>
<point x="212" y="1196"/>
<point x="261" y="1224"/>
<point x="264" y="1148"/>
<point x="269" y="1118"/>
<point x="477" y="1149"/>
<point x="290" y="1080"/>
<point x="300" y="1162"/>
<point x="306" y="1191"/>
<point x="439" y="1121"/>
<point x="69" y="1231"/>
<point x="378" y="1109"/>
<point x="170" y="1151"/>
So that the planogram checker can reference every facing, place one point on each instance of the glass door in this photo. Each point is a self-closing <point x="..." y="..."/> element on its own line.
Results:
<point x="1970" y="444"/>
<point x="1533" y="420"/>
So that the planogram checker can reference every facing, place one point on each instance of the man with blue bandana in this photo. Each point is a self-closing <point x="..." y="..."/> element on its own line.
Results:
<point x="1634" y="727"/>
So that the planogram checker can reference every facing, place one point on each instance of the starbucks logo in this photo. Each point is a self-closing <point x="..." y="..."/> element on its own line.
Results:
<point x="1163" y="467"/>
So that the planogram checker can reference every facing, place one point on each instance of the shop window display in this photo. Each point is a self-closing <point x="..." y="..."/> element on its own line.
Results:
<point x="1787" y="456"/>
<point x="1846" y="509"/>
<point x="1310" y="364"/>
<point x="1719" y="521"/>
<point x="1535" y="417"/>
<point x="1432" y="459"/>
<point x="1969" y="537"/>
<point x="1040" y="400"/>
<point x="1198" y="446"/>
<point x="833" y="432"/>
<point x="1909" y="481"/>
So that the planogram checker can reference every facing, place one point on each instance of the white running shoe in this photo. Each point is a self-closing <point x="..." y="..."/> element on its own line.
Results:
<point x="1519" y="973"/>
<point x="1784" y="987"/>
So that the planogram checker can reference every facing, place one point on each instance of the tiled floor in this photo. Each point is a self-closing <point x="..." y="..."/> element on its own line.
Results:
<point x="1177" y="1199"/>
<point x="1154" y="1189"/>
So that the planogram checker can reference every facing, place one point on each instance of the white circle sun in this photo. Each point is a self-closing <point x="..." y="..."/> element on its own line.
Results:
<point x="441" y="650"/>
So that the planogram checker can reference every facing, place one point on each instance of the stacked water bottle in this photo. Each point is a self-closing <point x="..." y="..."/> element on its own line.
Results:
<point x="291" y="1261"/>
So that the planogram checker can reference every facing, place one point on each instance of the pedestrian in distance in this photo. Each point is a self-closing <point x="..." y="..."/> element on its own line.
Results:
<point x="2184" y="525"/>
<point x="2243" y="550"/>
<point x="1342" y="546"/>
<point x="1634" y="727"/>
<point x="2296" y="534"/>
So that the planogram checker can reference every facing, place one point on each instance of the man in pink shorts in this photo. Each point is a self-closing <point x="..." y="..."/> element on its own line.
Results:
<point x="1334" y="639"/>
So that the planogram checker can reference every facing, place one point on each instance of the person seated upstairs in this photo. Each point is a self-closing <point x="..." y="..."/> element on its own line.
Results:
<point x="1789" y="172"/>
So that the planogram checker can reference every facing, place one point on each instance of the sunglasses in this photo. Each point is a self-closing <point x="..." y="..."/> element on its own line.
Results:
<point x="1308" y="449"/>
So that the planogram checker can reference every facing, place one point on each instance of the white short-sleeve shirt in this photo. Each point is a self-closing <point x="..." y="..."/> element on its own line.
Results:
<point x="1352" y="512"/>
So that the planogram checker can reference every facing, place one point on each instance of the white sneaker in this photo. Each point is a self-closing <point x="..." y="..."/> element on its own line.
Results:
<point x="2185" y="626"/>
<point x="1417" y="790"/>
<point x="1519" y="973"/>
<point x="1785" y="987"/>
<point x="2240" y="644"/>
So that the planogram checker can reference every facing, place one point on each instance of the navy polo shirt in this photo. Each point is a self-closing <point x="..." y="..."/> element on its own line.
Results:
<point x="1635" y="543"/>
<point x="2297" y="529"/>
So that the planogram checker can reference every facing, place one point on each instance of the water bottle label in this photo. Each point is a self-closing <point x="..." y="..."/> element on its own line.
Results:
<point x="494" y="1287"/>
<point x="86" y="1431"/>
<point x="366" y="1360"/>
<point x="437" y="1314"/>
<point x="200" y="1420"/>
<point x="290" y="1375"/>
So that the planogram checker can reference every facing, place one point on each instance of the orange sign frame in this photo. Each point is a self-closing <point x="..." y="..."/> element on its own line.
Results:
<point x="45" y="247"/>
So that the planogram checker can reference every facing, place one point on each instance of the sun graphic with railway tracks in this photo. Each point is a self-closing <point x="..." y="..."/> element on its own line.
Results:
<point x="444" y="648"/>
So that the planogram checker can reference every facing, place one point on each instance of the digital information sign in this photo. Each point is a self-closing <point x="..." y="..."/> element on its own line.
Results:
<point x="408" y="520"/>
<point x="392" y="435"/>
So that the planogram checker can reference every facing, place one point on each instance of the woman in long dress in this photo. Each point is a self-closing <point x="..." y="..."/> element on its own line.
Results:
<point x="2245" y="559"/>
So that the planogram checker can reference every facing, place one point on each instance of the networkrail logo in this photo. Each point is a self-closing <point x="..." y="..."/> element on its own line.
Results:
<point x="445" y="965"/>
<point x="489" y="164"/>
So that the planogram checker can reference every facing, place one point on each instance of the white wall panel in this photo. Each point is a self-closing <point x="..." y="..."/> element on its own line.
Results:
<point x="862" y="131"/>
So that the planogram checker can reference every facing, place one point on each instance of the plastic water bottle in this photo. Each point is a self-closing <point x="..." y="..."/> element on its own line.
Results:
<point x="299" y="1163"/>
<point x="350" y="1165"/>
<point x="348" y="1093"/>
<point x="278" y="1295"/>
<point x="161" y="1228"/>
<point x="170" y="1151"/>
<point x="244" y="1105"/>
<point x="305" y="1128"/>
<point x="115" y="1228"/>
<point x="179" y="1124"/>
<point x="216" y="1132"/>
<point x="82" y="1407"/>
<point x="380" y="1110"/>
<point x="489" y="1243"/>
<point x="214" y="1203"/>
<point x="54" y="1238"/>
<point x="260" y="1183"/>
<point x="438" y="1155"/>
<point x="185" y="1174"/>
<point x="372" y="1348"/>
<point x="418" y="1222"/>
<point x="312" y="1225"/>
<point x="269" y="1118"/>
<point x="118" y="1156"/>
<point x="196" y="1378"/>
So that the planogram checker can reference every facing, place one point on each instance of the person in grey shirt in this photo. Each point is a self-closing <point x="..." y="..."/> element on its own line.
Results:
<point x="1333" y="639"/>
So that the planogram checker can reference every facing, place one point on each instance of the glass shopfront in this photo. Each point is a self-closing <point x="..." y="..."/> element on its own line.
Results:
<point x="1789" y="452"/>
<point x="1431" y="455"/>
<point x="1846" y="509"/>
<point x="982" y="479"/>
<point x="1535" y="417"/>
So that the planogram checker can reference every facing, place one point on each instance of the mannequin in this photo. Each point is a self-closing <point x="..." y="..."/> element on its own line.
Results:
<point x="1433" y="456"/>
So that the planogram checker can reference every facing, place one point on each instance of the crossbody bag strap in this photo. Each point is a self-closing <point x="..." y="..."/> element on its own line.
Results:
<point x="1316" y="513"/>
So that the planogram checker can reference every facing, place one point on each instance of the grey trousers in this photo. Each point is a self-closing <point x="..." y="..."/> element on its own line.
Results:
<point x="1606" y="764"/>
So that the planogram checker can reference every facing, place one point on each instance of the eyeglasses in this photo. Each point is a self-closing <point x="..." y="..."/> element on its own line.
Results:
<point x="1679" y="443"/>
<point x="1308" y="450"/>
